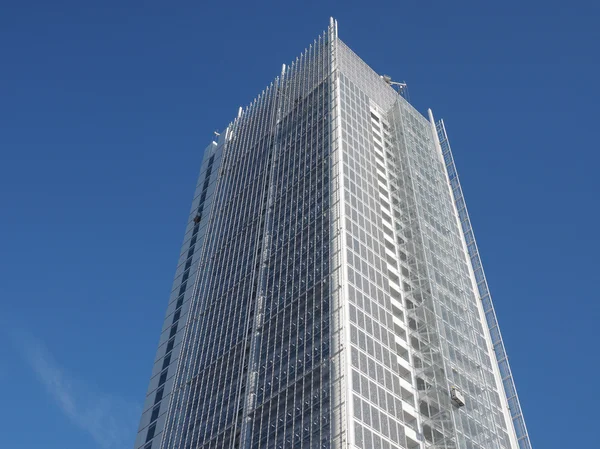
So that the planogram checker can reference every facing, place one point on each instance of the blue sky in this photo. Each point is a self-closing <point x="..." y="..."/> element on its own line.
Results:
<point x="105" y="108"/>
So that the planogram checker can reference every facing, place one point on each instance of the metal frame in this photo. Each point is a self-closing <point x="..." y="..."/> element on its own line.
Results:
<point x="510" y="391"/>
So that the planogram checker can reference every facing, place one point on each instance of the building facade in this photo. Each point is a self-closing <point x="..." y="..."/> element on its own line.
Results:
<point x="329" y="292"/>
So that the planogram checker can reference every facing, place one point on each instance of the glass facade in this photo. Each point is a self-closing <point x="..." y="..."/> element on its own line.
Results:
<point x="326" y="295"/>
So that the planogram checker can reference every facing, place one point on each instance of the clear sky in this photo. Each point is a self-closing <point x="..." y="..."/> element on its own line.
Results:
<point x="106" y="106"/>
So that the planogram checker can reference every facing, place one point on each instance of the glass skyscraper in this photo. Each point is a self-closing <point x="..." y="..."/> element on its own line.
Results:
<point x="329" y="292"/>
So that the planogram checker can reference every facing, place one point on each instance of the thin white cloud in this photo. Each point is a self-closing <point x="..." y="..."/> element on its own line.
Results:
<point x="109" y="420"/>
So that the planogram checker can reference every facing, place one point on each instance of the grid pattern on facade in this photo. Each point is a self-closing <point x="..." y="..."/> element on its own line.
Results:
<point x="395" y="270"/>
<point x="324" y="295"/>
<point x="256" y="365"/>
<point x="290" y="406"/>
<point x="448" y="342"/>
<point x="377" y="403"/>
<point x="449" y="329"/>
<point x="505" y="372"/>
<point x="207" y="404"/>
<point x="161" y="384"/>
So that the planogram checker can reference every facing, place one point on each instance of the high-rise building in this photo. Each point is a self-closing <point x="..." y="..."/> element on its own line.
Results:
<point x="329" y="292"/>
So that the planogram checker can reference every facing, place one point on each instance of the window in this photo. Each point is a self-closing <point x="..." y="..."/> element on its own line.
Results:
<point x="159" y="395"/>
<point x="155" y="412"/>
<point x="170" y="345"/>
<point x="166" y="361"/>
<point x="151" y="431"/>
<point x="163" y="378"/>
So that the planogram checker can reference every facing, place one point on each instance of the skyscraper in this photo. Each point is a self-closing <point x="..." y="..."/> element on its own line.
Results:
<point x="329" y="292"/>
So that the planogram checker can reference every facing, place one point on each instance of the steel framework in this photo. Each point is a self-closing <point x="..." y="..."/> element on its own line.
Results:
<point x="505" y="372"/>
